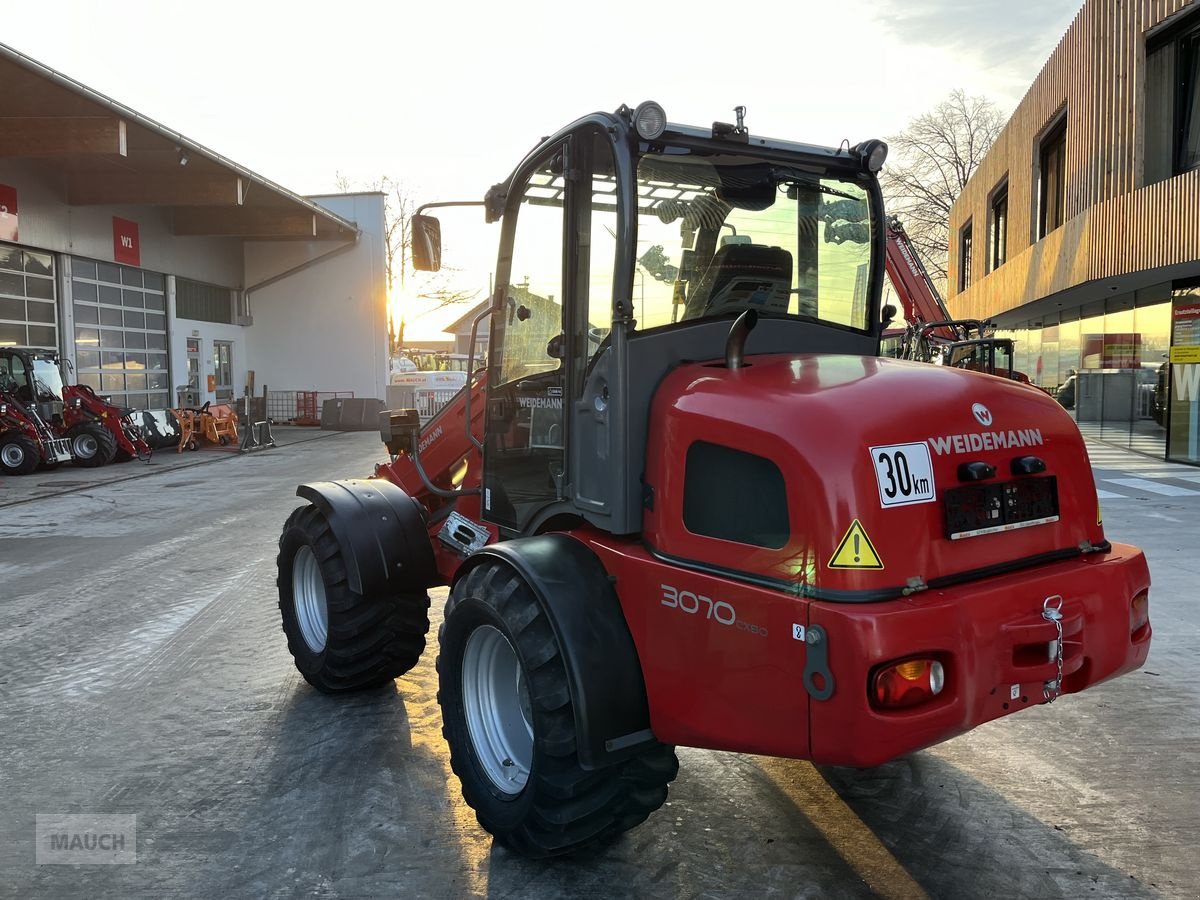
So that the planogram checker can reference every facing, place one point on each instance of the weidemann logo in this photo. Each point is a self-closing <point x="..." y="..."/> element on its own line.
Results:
<point x="986" y="440"/>
<point x="539" y="402"/>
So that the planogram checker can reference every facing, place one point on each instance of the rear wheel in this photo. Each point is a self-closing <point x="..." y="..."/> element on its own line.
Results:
<point x="19" y="455"/>
<point x="340" y="639"/>
<point x="92" y="445"/>
<point x="509" y="720"/>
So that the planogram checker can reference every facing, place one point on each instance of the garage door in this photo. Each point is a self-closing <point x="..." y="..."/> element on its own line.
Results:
<point x="28" y="313"/>
<point x="121" y="332"/>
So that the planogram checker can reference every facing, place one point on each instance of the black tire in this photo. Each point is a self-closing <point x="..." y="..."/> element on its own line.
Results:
<point x="560" y="808"/>
<point x="19" y="455"/>
<point x="369" y="640"/>
<point x="92" y="445"/>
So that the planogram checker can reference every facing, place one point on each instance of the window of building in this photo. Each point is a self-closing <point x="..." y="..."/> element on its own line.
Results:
<point x="1172" y="143"/>
<point x="1052" y="192"/>
<point x="965" y="239"/>
<point x="121" y="332"/>
<point x="998" y="231"/>
<point x="203" y="302"/>
<point x="1187" y="154"/>
<point x="28" y="313"/>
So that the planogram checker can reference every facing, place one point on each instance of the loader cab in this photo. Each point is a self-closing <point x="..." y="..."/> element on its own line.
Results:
<point x="991" y="355"/>
<point x="626" y="250"/>
<point x="32" y="377"/>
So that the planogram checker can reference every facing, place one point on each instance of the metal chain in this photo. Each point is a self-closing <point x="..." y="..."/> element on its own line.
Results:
<point x="1052" y="612"/>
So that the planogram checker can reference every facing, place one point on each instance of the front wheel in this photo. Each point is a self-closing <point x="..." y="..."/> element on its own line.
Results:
<point x="340" y="639"/>
<point x="92" y="445"/>
<point x="508" y="717"/>
<point x="19" y="455"/>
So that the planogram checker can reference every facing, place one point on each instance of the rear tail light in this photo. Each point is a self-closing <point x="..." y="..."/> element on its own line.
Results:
<point x="1139" y="614"/>
<point x="907" y="683"/>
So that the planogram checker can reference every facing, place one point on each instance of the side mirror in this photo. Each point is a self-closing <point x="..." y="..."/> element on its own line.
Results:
<point x="426" y="243"/>
<point x="889" y="313"/>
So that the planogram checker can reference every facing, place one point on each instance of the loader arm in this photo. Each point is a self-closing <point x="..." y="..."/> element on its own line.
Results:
<point x="450" y="459"/>
<point x="920" y="299"/>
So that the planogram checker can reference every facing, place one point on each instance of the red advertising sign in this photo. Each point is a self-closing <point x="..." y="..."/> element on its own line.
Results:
<point x="1111" y="351"/>
<point x="8" y="213"/>
<point x="126" y="247"/>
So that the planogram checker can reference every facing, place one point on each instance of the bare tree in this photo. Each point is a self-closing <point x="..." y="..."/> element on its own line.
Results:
<point x="929" y="165"/>
<point x="398" y="209"/>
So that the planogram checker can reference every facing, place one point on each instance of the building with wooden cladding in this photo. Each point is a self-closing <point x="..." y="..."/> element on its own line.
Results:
<point x="1079" y="234"/>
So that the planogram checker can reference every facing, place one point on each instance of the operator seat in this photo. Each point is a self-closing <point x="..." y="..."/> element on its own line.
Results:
<point x="741" y="277"/>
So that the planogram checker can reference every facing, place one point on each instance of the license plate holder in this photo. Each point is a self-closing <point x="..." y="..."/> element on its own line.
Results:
<point x="979" y="509"/>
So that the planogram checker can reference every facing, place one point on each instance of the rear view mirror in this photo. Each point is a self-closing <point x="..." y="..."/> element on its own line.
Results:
<point x="426" y="243"/>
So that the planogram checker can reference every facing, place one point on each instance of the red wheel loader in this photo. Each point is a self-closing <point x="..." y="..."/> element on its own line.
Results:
<point x="95" y="430"/>
<point x="685" y="501"/>
<point x="932" y="335"/>
<point x="27" y="390"/>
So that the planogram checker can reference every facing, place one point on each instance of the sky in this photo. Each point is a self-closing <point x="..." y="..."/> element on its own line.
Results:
<point x="447" y="97"/>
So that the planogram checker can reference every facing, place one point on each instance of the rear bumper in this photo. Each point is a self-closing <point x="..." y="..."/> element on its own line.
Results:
<point x="993" y="642"/>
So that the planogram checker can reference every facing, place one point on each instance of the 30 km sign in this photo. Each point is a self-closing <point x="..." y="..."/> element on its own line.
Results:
<point x="904" y="473"/>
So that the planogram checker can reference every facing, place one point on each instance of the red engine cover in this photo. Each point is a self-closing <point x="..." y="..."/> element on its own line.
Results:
<point x="825" y="421"/>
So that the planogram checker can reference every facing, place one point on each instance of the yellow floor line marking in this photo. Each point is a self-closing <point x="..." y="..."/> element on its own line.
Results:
<point x="842" y="828"/>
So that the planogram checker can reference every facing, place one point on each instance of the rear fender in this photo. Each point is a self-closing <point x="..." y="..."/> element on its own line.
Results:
<point x="380" y="531"/>
<point x="604" y="674"/>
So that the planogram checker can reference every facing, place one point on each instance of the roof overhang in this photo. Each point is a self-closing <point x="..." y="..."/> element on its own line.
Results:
<point x="103" y="153"/>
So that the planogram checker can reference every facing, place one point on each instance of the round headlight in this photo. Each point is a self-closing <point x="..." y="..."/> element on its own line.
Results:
<point x="650" y="120"/>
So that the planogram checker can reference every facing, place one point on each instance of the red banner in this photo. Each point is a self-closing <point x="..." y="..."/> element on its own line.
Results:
<point x="126" y="247"/>
<point x="8" y="213"/>
<point x="1111" y="351"/>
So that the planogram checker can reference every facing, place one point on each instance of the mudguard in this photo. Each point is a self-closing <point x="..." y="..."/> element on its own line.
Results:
<point x="604" y="674"/>
<point x="381" y="533"/>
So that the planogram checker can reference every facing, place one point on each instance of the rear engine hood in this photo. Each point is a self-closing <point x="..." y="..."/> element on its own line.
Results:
<point x="869" y="449"/>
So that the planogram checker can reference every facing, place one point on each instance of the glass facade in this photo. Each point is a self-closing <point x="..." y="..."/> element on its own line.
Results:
<point x="121" y="332"/>
<point x="1111" y="363"/>
<point x="28" y="313"/>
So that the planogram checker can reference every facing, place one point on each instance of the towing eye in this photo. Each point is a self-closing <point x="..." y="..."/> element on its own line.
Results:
<point x="1052" y="612"/>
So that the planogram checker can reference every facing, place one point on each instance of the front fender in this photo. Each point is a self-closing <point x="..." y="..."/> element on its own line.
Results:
<point x="380" y="531"/>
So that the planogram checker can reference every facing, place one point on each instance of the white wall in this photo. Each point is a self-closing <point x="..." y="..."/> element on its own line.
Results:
<point x="325" y="327"/>
<point x="48" y="223"/>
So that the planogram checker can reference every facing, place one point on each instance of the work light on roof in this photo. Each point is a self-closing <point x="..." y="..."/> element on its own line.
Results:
<point x="650" y="120"/>
<point x="873" y="154"/>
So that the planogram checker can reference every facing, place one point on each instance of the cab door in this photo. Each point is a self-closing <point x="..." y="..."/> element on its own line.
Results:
<point x="524" y="446"/>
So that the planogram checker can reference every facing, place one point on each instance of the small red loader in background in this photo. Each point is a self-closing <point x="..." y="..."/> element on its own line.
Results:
<point x="94" y="430"/>
<point x="686" y="502"/>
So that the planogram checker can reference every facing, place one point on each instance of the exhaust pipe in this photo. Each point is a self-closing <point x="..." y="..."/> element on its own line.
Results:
<point x="736" y="342"/>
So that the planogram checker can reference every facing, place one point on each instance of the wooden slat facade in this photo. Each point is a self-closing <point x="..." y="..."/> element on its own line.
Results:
<point x="1115" y="224"/>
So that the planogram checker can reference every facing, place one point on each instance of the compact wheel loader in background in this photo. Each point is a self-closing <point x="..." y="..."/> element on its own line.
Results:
<point x="67" y="421"/>
<point x="686" y="503"/>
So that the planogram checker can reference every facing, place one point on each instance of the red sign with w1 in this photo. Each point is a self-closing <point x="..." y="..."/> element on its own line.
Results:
<point x="126" y="247"/>
<point x="8" y="213"/>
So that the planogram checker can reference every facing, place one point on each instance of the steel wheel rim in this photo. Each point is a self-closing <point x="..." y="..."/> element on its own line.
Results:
<point x="85" y="446"/>
<point x="12" y="455"/>
<point x="308" y="597"/>
<point x="497" y="708"/>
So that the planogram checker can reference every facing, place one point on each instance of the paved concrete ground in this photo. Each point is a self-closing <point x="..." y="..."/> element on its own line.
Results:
<point x="143" y="672"/>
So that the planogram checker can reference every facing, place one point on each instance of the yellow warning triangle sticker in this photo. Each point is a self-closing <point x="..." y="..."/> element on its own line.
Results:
<point x="855" y="551"/>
